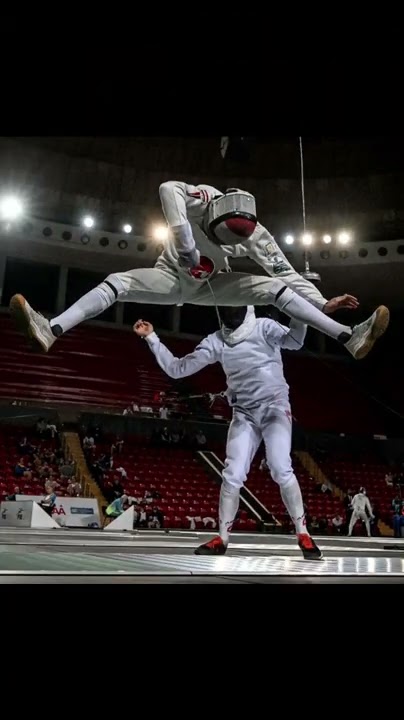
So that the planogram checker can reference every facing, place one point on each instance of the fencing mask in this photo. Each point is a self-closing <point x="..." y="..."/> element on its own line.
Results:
<point x="231" y="218"/>
<point x="232" y="317"/>
<point x="237" y="323"/>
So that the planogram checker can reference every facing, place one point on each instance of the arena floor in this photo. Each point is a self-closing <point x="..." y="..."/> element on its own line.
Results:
<point x="77" y="556"/>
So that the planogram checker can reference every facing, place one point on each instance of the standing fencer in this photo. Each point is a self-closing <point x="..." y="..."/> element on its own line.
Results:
<point x="203" y="220"/>
<point x="249" y="351"/>
<point x="361" y="504"/>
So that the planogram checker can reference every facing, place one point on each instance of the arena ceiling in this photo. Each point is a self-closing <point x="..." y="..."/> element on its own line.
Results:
<point x="269" y="157"/>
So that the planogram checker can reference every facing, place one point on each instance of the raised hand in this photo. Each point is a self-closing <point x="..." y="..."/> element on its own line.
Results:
<point x="143" y="328"/>
<point x="342" y="302"/>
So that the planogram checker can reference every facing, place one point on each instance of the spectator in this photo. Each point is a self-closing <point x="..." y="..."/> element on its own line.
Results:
<point x="315" y="526"/>
<point x="200" y="439"/>
<point x="399" y="479"/>
<point x="117" y="488"/>
<point x="337" y="524"/>
<point x="122" y="472"/>
<point x="41" y="426"/>
<point x="24" y="447"/>
<point x="142" y="520"/>
<point x="88" y="443"/>
<point x="20" y="468"/>
<point x="73" y="488"/>
<point x="209" y="521"/>
<point x="67" y="468"/>
<point x="156" y="518"/>
<point x="165" y="436"/>
<point x="389" y="479"/>
<point x="119" y="445"/>
<point x="44" y="470"/>
<point x="263" y="465"/>
<point x="104" y="461"/>
<point x="117" y="507"/>
<point x="136" y="513"/>
<point x="49" y="501"/>
<point x="52" y="430"/>
<point x="13" y="496"/>
<point x="398" y="517"/>
<point x="396" y="504"/>
<point x="148" y="497"/>
<point x="163" y="412"/>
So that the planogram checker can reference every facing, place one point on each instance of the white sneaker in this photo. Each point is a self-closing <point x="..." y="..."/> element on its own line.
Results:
<point x="35" y="326"/>
<point x="365" y="335"/>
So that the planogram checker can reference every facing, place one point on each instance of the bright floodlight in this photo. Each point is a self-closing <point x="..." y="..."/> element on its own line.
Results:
<point x="289" y="239"/>
<point x="327" y="239"/>
<point x="88" y="221"/>
<point x="160" y="232"/>
<point x="307" y="239"/>
<point x="344" y="238"/>
<point x="10" y="208"/>
<point x="127" y="228"/>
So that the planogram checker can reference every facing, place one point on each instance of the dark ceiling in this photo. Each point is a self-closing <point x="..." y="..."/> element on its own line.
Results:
<point x="258" y="156"/>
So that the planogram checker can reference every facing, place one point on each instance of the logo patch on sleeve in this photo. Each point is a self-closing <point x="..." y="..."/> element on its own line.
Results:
<point x="270" y="247"/>
<point x="279" y="263"/>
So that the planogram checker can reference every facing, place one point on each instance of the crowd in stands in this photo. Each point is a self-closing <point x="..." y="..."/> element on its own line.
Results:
<point x="173" y="405"/>
<point x="109" y="473"/>
<point x="40" y="466"/>
<point x="104" y="457"/>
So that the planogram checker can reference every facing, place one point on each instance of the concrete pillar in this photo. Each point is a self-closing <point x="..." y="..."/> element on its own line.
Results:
<point x="62" y="287"/>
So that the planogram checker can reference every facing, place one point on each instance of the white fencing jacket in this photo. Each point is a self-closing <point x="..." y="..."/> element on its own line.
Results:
<point x="184" y="207"/>
<point x="361" y="503"/>
<point x="250" y="357"/>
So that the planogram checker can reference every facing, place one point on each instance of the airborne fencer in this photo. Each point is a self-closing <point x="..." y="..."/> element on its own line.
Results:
<point x="249" y="350"/>
<point x="207" y="227"/>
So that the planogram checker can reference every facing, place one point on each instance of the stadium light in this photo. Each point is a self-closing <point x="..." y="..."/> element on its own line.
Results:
<point x="327" y="239"/>
<point x="88" y="221"/>
<point x="307" y="239"/>
<point x="160" y="232"/>
<point x="344" y="238"/>
<point x="289" y="239"/>
<point x="11" y="208"/>
<point x="127" y="228"/>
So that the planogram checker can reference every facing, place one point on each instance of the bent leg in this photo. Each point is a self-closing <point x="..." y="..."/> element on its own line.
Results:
<point x="235" y="289"/>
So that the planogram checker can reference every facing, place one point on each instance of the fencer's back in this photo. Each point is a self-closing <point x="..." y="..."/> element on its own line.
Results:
<point x="253" y="368"/>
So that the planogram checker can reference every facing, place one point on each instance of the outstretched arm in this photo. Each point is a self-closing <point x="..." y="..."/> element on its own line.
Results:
<point x="175" y="367"/>
<point x="288" y="338"/>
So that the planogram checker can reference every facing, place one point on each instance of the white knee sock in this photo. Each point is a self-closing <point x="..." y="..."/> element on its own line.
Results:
<point x="293" y="501"/>
<point x="300" y="309"/>
<point x="89" y="306"/>
<point x="228" y="506"/>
